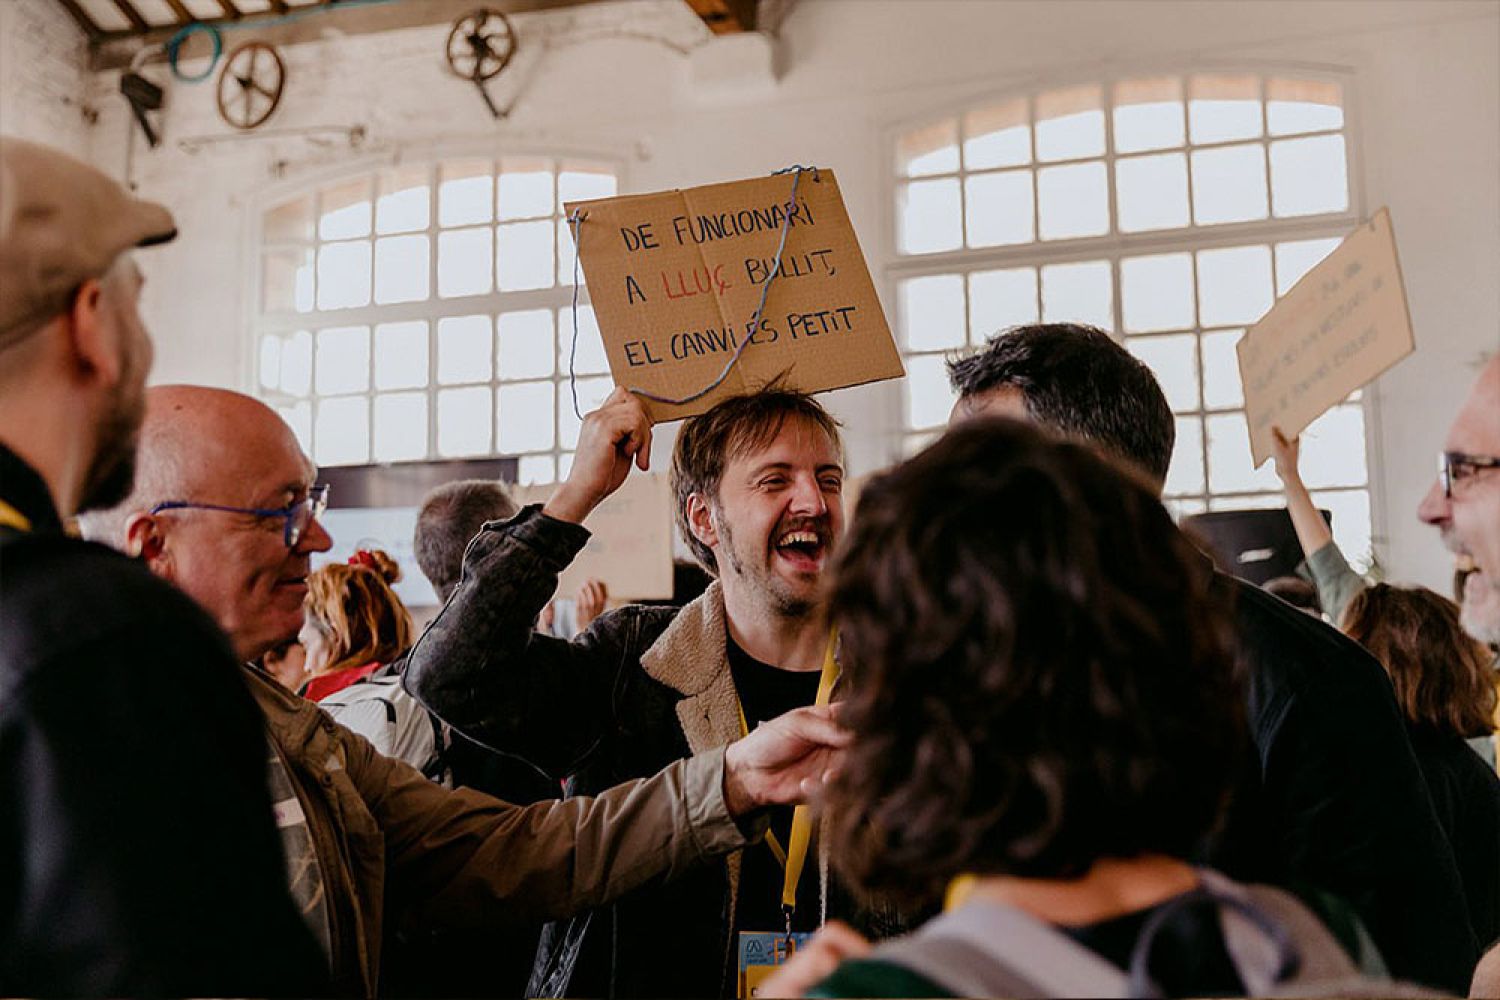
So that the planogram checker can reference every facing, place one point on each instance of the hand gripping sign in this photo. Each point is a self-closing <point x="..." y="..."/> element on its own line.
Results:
<point x="718" y="290"/>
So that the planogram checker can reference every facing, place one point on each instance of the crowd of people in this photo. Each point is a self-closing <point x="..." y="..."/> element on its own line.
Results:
<point x="1002" y="730"/>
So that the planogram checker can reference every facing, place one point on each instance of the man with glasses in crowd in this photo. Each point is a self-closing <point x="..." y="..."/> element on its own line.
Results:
<point x="225" y="507"/>
<point x="137" y="850"/>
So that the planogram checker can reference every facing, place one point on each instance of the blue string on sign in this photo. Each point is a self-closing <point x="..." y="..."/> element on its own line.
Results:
<point x="575" y="219"/>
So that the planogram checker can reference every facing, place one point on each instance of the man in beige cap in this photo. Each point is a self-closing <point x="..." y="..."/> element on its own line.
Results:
<point x="138" y="850"/>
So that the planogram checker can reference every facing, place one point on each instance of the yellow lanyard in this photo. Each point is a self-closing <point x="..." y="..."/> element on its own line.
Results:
<point x="959" y="891"/>
<point x="794" y="857"/>
<point x="12" y="518"/>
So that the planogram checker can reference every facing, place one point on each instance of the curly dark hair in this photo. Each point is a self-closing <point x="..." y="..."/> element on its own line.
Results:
<point x="1442" y="675"/>
<point x="1040" y="675"/>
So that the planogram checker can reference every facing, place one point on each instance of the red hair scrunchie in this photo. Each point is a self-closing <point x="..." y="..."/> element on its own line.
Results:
<point x="362" y="557"/>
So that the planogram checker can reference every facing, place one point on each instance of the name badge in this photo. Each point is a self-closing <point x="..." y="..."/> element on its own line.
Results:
<point x="761" y="952"/>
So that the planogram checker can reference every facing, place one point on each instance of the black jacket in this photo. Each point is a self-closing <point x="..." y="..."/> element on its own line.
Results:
<point x="1339" y="801"/>
<point x="642" y="687"/>
<point x="1466" y="792"/>
<point x="138" y="855"/>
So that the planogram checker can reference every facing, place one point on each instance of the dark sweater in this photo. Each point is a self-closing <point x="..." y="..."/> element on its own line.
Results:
<point x="1466" y="795"/>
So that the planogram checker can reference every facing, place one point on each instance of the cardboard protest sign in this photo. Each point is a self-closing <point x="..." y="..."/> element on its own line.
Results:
<point x="675" y="279"/>
<point x="1337" y="330"/>
<point x="630" y="547"/>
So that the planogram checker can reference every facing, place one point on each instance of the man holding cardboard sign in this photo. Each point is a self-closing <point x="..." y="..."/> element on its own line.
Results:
<point x="757" y="481"/>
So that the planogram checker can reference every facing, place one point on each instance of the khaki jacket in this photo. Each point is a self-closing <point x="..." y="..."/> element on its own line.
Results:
<point x="444" y="858"/>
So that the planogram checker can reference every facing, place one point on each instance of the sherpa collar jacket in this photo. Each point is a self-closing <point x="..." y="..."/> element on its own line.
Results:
<point x="394" y="848"/>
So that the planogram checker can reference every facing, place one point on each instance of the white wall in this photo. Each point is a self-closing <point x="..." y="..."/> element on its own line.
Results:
<point x="1428" y="113"/>
<point x="42" y="83"/>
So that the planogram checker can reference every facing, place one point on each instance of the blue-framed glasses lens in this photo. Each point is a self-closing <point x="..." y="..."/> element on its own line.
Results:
<point x="305" y="512"/>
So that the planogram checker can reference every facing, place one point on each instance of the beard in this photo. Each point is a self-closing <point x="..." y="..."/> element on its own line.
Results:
<point x="111" y="475"/>
<point x="774" y="592"/>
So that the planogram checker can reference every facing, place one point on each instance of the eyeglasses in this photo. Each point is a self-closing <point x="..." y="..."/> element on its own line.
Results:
<point x="296" y="515"/>
<point x="1455" y="467"/>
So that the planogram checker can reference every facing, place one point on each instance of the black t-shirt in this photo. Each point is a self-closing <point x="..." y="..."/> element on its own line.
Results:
<point x="1187" y="955"/>
<point x="765" y="693"/>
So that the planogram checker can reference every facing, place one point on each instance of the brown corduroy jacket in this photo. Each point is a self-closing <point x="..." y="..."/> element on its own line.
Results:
<point x="441" y="858"/>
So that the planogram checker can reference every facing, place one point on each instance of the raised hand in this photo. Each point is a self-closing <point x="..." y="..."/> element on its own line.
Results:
<point x="613" y="436"/>
<point x="589" y="604"/>
<point x="1286" y="453"/>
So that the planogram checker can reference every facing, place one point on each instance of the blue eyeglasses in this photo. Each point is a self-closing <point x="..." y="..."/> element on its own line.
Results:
<point x="296" y="515"/>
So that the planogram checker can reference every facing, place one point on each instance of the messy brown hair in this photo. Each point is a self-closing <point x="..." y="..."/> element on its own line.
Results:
<point x="353" y="606"/>
<point x="1441" y="674"/>
<point x="1039" y="670"/>
<point x="732" y="428"/>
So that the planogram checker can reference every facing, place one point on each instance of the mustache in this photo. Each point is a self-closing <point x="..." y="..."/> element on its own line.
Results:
<point x="822" y="526"/>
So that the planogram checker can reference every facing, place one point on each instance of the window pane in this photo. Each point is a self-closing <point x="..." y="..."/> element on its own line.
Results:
<point x="1174" y="359"/>
<point x="1221" y="370"/>
<point x="1351" y="522"/>
<point x="401" y="355"/>
<point x="287" y="281"/>
<point x="585" y="182"/>
<point x="1074" y="200"/>
<point x="1234" y="285"/>
<point x="1069" y="124"/>
<point x="401" y="427"/>
<point x="1153" y="192"/>
<point x="465" y="193"/>
<point x="524" y="188"/>
<point x="465" y="262"/>
<point x="270" y="361"/>
<point x="291" y="220"/>
<point x="296" y="364"/>
<point x="299" y="418"/>
<point x="1185" y="474"/>
<point x="1148" y="114"/>
<point x="1308" y="176"/>
<point x="929" y="216"/>
<point x="1184" y="508"/>
<point x="1333" y="449"/>
<point x="591" y="393"/>
<point x="343" y="360"/>
<point x="405" y="201"/>
<point x="1303" y="106"/>
<point x="464" y="347"/>
<point x="343" y="431"/>
<point x="567" y="263"/>
<point x="526" y="343"/>
<point x="1229" y="184"/>
<point x="464" y="421"/>
<point x="1157" y="292"/>
<point x="535" y="470"/>
<point x="997" y="136"/>
<point x="929" y="397"/>
<point x="1000" y="299"/>
<point x="1230" y="469"/>
<point x="590" y="358"/>
<point x="401" y="269"/>
<point x="1293" y="260"/>
<point x="1221" y="108"/>
<point x="999" y="208"/>
<point x="524" y="417"/>
<point x="932" y="149"/>
<point x="345" y="210"/>
<point x="1078" y="293"/>
<point x="344" y="275"/>
<point x="932" y="312"/>
<point x="523" y="255"/>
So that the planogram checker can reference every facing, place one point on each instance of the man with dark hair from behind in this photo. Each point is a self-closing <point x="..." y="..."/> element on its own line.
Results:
<point x="450" y="515"/>
<point x="1339" y="801"/>
<point x="138" y="852"/>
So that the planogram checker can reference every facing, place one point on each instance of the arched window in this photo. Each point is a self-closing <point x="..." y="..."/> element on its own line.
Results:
<point x="1169" y="209"/>
<point x="425" y="311"/>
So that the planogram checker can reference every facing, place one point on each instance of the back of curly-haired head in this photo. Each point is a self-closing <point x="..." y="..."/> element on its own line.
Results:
<point x="1441" y="674"/>
<point x="1039" y="674"/>
<point x="354" y="607"/>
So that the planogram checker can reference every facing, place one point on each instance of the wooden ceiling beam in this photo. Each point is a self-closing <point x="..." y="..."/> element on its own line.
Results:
<point x="84" y="21"/>
<point x="725" y="17"/>
<point x="183" y="15"/>
<point x="132" y="15"/>
<point x="230" y="10"/>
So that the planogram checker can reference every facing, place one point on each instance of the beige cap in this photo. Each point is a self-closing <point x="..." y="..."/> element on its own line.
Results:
<point x="61" y="223"/>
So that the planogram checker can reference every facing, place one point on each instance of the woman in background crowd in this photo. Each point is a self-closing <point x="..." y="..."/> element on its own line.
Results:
<point x="1046" y="722"/>
<point x="354" y="623"/>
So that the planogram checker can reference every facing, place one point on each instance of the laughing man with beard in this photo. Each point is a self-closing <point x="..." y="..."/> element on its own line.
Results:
<point x="757" y="483"/>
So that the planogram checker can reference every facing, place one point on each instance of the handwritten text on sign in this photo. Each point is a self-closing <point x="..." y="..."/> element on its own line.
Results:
<point x="675" y="279"/>
<point x="1339" y="328"/>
